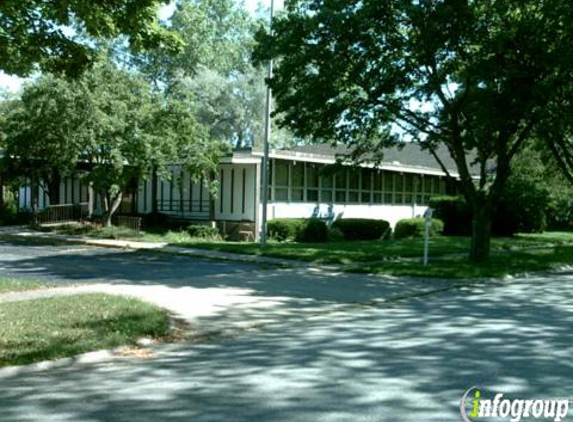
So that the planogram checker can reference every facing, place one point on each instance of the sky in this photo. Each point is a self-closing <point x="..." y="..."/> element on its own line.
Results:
<point x="13" y="83"/>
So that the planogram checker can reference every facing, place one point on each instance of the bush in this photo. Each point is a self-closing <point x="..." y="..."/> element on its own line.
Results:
<point x="313" y="230"/>
<point x="281" y="229"/>
<point x="298" y="229"/>
<point x="9" y="213"/>
<point x="522" y="208"/>
<point x="203" y="232"/>
<point x="455" y="214"/>
<point x="415" y="227"/>
<point x="362" y="228"/>
<point x="335" y="235"/>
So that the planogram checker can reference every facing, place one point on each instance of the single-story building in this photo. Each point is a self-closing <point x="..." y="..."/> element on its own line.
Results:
<point x="299" y="187"/>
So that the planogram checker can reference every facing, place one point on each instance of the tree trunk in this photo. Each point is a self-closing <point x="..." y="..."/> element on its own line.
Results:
<point x="1" y="189"/>
<point x="481" y="234"/>
<point x="91" y="200"/>
<point x="154" y="190"/>
<point x="111" y="204"/>
<point x="54" y="190"/>
<point x="34" y="194"/>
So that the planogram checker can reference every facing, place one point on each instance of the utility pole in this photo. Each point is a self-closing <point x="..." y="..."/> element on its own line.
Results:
<point x="265" y="196"/>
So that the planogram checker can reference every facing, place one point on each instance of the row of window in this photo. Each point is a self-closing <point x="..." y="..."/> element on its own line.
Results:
<point x="309" y="182"/>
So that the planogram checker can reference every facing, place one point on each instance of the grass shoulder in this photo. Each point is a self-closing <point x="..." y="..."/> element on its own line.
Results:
<point x="17" y="285"/>
<point x="501" y="264"/>
<point x="52" y="328"/>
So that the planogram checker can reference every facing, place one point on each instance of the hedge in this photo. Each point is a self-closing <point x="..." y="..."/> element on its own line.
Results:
<point x="521" y="209"/>
<point x="415" y="227"/>
<point x="362" y="228"/>
<point x="205" y="232"/>
<point x="455" y="214"/>
<point x="299" y="229"/>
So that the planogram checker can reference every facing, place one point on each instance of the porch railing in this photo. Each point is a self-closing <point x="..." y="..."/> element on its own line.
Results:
<point x="195" y="209"/>
<point x="131" y="222"/>
<point x="63" y="213"/>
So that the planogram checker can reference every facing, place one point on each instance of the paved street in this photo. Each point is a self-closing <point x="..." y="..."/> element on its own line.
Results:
<point x="321" y="355"/>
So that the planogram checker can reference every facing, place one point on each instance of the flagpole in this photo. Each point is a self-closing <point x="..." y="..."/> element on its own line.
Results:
<point x="265" y="193"/>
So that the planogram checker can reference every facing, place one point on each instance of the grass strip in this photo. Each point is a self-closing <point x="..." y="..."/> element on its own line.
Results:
<point x="52" y="328"/>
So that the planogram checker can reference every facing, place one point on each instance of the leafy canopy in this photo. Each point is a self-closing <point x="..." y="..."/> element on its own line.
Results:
<point x="39" y="34"/>
<point x="480" y="77"/>
<point x="110" y="127"/>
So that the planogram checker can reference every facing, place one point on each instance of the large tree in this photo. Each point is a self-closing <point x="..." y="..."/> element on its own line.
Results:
<point x="38" y="130"/>
<point x="42" y="35"/>
<point x="108" y="125"/>
<point x="480" y="77"/>
<point x="215" y="69"/>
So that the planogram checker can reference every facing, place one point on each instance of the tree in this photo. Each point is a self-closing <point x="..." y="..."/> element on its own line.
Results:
<point x="38" y="34"/>
<point x="215" y="69"/>
<point x="39" y="135"/>
<point x="112" y="128"/>
<point x="482" y="78"/>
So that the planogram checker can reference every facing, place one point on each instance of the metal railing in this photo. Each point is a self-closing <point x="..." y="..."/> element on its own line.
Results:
<point x="195" y="209"/>
<point x="63" y="213"/>
<point x="131" y="222"/>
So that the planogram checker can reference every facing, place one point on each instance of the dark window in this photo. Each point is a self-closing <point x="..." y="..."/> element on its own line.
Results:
<point x="281" y="173"/>
<point x="311" y="176"/>
<point x="326" y="195"/>
<point x="281" y="194"/>
<point x="312" y="195"/>
<point x="297" y="194"/>
<point x="297" y="175"/>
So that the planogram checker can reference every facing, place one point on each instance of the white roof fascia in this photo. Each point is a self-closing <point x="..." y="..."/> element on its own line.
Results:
<point x="322" y="159"/>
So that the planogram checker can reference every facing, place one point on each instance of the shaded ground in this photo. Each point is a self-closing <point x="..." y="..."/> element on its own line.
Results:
<point x="411" y="362"/>
<point x="407" y="361"/>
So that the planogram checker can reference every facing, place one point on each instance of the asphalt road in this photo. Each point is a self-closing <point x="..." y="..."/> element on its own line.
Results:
<point x="407" y="361"/>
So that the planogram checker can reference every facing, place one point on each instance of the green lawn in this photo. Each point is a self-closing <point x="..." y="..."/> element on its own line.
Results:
<point x="17" y="285"/>
<point x="502" y="263"/>
<point x="368" y="251"/>
<point x="52" y="328"/>
<point x="518" y="254"/>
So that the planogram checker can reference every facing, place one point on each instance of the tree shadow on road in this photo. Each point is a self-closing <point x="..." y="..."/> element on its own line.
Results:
<point x="407" y="362"/>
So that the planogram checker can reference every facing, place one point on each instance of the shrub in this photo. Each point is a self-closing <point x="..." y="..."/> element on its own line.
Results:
<point x="522" y="208"/>
<point x="9" y="214"/>
<point x="415" y="227"/>
<point x="455" y="214"/>
<point x="282" y="229"/>
<point x="335" y="234"/>
<point x="203" y="232"/>
<point x="313" y="230"/>
<point x="362" y="228"/>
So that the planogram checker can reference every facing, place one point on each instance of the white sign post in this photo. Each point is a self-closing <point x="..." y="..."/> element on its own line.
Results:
<point x="428" y="224"/>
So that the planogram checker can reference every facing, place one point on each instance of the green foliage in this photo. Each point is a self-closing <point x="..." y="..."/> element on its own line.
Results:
<point x="9" y="213"/>
<point x="214" y="69"/>
<point x="455" y="214"/>
<point x="203" y="232"/>
<point x="494" y="75"/>
<point x="362" y="228"/>
<point x="335" y="235"/>
<point x="298" y="229"/>
<point x="415" y="227"/>
<point x="281" y="229"/>
<point x="522" y="208"/>
<point x="313" y="231"/>
<point x="111" y="122"/>
<point x="32" y="37"/>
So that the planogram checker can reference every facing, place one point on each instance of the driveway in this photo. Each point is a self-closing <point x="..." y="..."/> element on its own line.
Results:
<point x="404" y="361"/>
